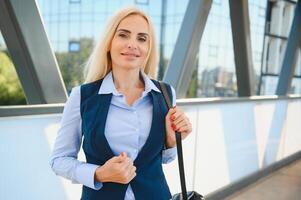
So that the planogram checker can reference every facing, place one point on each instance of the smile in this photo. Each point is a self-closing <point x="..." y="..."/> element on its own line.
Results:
<point x="130" y="54"/>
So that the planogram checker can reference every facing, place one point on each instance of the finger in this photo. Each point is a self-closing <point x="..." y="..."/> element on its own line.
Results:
<point x="171" y="111"/>
<point x="181" y="123"/>
<point x="132" y="170"/>
<point x="116" y="159"/>
<point x="130" y="178"/>
<point x="176" y="114"/>
<point x="120" y="158"/>
<point x="132" y="174"/>
<point x="123" y="154"/>
<point x="185" y="130"/>
<point x="127" y="164"/>
<point x="180" y="119"/>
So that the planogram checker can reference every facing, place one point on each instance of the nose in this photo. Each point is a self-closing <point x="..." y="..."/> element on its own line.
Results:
<point x="132" y="45"/>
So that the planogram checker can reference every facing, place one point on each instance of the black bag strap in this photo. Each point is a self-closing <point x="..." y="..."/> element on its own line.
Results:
<point x="179" y="144"/>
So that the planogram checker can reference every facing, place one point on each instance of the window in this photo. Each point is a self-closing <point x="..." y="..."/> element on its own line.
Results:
<point x="74" y="46"/>
<point x="74" y="1"/>
<point x="141" y="2"/>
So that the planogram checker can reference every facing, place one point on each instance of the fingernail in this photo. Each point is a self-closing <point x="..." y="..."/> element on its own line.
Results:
<point x="173" y="126"/>
<point x="172" y="117"/>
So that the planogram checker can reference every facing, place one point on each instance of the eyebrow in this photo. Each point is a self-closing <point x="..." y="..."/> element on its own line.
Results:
<point x="127" y="31"/>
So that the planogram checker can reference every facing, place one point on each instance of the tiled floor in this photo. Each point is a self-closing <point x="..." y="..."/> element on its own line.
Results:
<point x="284" y="184"/>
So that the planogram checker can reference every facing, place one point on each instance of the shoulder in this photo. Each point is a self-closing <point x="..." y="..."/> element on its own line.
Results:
<point x="157" y="83"/>
<point x="85" y="90"/>
<point x="170" y="90"/>
<point x="91" y="85"/>
<point x="88" y="89"/>
<point x="167" y="85"/>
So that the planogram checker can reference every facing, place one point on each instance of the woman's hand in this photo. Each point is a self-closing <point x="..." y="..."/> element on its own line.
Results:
<point x="119" y="169"/>
<point x="176" y="120"/>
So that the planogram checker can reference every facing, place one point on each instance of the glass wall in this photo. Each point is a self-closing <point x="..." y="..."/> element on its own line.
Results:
<point x="11" y="92"/>
<point x="74" y="25"/>
<point x="216" y="69"/>
<point x="279" y="20"/>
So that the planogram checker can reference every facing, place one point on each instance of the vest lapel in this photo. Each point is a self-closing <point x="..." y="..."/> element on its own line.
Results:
<point x="99" y="140"/>
<point x="155" y="140"/>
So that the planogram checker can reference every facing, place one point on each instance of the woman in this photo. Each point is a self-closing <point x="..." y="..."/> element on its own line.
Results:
<point x="120" y="114"/>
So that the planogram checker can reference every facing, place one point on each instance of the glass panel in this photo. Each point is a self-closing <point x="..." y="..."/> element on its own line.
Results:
<point x="296" y="86"/>
<point x="269" y="84"/>
<point x="84" y="22"/>
<point x="74" y="46"/>
<point x="74" y="1"/>
<point x="298" y="63"/>
<point x="216" y="67"/>
<point x="142" y="2"/>
<point x="257" y="12"/>
<point x="279" y="21"/>
<point x="11" y="92"/>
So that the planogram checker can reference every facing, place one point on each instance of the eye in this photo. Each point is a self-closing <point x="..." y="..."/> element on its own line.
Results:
<point x="142" y="39"/>
<point x="122" y="35"/>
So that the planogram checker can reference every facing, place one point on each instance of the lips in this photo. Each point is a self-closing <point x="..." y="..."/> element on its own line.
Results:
<point x="130" y="54"/>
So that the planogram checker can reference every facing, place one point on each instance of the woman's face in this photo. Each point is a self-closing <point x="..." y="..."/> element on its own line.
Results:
<point x="130" y="44"/>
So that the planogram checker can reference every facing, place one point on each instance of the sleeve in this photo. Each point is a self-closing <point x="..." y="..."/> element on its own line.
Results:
<point x="168" y="155"/>
<point x="63" y="159"/>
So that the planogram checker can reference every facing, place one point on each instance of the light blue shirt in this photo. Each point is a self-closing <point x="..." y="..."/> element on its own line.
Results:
<point x="127" y="128"/>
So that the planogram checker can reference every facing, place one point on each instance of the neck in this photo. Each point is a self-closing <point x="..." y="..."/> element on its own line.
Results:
<point x="127" y="79"/>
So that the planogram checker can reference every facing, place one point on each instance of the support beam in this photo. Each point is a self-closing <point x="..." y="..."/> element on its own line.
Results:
<point x="289" y="62"/>
<point x="162" y="39"/>
<point x="184" y="56"/>
<point x="29" y="48"/>
<point x="240" y="24"/>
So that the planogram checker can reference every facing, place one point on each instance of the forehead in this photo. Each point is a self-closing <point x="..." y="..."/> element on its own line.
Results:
<point x="134" y="23"/>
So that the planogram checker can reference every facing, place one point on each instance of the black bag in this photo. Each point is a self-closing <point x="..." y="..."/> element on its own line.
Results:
<point x="191" y="195"/>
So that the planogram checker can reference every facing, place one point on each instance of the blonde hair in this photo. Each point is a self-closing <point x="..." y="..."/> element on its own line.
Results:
<point x="99" y="63"/>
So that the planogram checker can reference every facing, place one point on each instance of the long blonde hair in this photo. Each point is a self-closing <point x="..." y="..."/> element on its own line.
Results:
<point x="99" y="63"/>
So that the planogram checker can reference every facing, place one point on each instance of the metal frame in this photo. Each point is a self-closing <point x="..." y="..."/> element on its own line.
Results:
<point x="162" y="39"/>
<point x="240" y="24"/>
<point x="289" y="62"/>
<point x="38" y="109"/>
<point x="183" y="59"/>
<point x="23" y="31"/>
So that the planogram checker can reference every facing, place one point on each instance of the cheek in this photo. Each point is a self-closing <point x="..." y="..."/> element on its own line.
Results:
<point x="115" y="49"/>
<point x="144" y="50"/>
<point x="116" y="44"/>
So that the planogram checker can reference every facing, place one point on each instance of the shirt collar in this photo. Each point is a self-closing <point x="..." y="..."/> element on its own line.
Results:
<point x="108" y="86"/>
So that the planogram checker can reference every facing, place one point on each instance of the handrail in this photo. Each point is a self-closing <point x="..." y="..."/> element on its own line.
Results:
<point x="37" y="109"/>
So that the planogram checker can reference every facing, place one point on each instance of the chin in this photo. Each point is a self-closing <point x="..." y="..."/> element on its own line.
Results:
<point x="131" y="66"/>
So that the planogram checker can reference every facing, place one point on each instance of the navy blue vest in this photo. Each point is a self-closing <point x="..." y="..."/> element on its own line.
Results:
<point x="149" y="183"/>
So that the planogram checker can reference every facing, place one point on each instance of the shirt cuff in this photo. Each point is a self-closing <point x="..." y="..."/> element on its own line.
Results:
<point x="85" y="175"/>
<point x="169" y="155"/>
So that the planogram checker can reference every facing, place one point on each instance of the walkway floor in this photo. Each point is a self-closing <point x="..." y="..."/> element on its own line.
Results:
<point x="284" y="184"/>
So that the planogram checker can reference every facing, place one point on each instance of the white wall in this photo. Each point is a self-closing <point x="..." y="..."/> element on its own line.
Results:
<point x="234" y="139"/>
<point x="229" y="141"/>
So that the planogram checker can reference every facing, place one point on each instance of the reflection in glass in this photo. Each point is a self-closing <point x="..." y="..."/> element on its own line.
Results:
<point x="11" y="92"/>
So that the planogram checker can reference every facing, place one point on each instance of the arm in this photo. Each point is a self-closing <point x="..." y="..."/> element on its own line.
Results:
<point x="67" y="144"/>
<point x="68" y="141"/>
